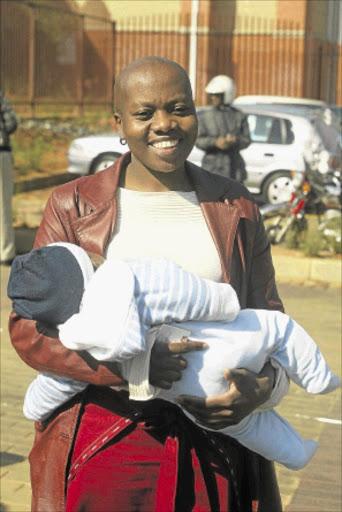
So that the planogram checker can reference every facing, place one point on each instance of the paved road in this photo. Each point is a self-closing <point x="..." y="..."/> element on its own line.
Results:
<point x="316" y="488"/>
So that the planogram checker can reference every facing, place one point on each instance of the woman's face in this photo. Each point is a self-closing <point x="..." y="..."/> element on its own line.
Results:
<point x="157" y="117"/>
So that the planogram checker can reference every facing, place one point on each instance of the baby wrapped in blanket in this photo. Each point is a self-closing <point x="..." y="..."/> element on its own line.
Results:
<point x="115" y="314"/>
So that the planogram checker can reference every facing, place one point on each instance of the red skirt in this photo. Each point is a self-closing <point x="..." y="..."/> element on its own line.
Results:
<point x="148" y="457"/>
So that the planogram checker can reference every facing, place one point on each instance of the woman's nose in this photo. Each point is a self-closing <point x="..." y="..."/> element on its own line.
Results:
<point x="163" y="121"/>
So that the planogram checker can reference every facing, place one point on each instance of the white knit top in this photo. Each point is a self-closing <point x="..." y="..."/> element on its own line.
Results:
<point x="165" y="225"/>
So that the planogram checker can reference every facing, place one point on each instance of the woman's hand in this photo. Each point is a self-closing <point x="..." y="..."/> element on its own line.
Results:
<point x="166" y="364"/>
<point x="247" y="390"/>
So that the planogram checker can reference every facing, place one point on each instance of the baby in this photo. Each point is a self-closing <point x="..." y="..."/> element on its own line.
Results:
<point x="115" y="314"/>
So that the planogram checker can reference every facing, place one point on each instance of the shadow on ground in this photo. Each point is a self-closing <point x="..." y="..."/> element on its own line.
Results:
<point x="6" y="459"/>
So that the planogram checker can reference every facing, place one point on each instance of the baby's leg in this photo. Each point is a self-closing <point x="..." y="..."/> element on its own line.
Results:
<point x="297" y="352"/>
<point x="270" y="435"/>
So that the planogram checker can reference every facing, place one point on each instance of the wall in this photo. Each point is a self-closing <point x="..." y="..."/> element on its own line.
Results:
<point x="122" y="8"/>
<point x="119" y="9"/>
<point x="261" y="8"/>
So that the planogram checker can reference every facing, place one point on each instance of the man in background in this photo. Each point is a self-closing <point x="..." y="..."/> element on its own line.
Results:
<point x="223" y="131"/>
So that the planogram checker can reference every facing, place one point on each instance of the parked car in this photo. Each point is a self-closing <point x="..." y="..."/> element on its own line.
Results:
<point x="274" y="156"/>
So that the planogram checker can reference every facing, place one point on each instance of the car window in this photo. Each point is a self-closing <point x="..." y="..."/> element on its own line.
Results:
<point x="270" y="129"/>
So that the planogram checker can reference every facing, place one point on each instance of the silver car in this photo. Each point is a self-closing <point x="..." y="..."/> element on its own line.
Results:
<point x="277" y="151"/>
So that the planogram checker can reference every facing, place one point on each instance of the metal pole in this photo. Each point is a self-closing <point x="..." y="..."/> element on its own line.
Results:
<point x="80" y="65"/>
<point x="193" y="45"/>
<point x="31" y="61"/>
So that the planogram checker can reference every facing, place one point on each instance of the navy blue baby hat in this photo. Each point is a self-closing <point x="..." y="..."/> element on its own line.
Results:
<point x="46" y="285"/>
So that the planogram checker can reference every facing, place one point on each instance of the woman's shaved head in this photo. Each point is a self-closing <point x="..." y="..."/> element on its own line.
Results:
<point x="139" y="71"/>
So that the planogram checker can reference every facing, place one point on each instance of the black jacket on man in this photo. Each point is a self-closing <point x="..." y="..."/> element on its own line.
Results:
<point x="216" y="122"/>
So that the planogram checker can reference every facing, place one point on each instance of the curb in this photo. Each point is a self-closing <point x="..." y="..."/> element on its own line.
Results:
<point x="289" y="268"/>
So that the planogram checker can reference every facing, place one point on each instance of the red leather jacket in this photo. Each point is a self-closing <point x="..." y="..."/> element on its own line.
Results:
<point x="83" y="212"/>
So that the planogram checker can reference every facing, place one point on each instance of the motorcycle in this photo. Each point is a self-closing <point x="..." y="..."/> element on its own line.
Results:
<point x="314" y="193"/>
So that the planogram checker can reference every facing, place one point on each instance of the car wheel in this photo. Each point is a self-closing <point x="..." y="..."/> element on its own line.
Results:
<point x="278" y="187"/>
<point x="103" y="161"/>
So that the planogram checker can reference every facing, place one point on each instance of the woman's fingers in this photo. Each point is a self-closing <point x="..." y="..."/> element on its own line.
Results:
<point x="205" y="406"/>
<point x="219" y="411"/>
<point x="217" y="418"/>
<point x="214" y="417"/>
<point x="166" y="369"/>
<point x="182" y="347"/>
<point x="243" y="395"/>
<point x="166" y="364"/>
<point x="165" y="378"/>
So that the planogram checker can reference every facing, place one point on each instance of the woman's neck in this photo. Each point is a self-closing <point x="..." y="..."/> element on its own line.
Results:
<point x="155" y="181"/>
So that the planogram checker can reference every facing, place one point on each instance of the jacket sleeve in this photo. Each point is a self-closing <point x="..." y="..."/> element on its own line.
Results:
<point x="47" y="354"/>
<point x="262" y="291"/>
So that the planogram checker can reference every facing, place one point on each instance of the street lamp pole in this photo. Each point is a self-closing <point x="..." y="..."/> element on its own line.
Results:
<point x="193" y="45"/>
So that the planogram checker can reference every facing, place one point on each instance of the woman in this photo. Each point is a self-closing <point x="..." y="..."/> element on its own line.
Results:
<point x="101" y="452"/>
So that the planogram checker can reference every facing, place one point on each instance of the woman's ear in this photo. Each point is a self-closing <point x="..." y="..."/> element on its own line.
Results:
<point x="119" y="124"/>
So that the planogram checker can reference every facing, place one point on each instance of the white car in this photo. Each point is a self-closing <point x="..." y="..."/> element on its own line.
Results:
<point x="276" y="153"/>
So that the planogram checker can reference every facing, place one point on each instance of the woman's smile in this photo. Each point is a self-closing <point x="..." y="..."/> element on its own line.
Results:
<point x="165" y="144"/>
<point x="166" y="147"/>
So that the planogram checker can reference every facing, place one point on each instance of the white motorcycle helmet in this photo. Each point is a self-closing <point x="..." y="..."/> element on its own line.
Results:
<point x="222" y="84"/>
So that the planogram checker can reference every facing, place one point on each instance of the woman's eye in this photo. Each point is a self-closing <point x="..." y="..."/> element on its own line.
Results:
<point x="180" y="110"/>
<point x="144" y="114"/>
